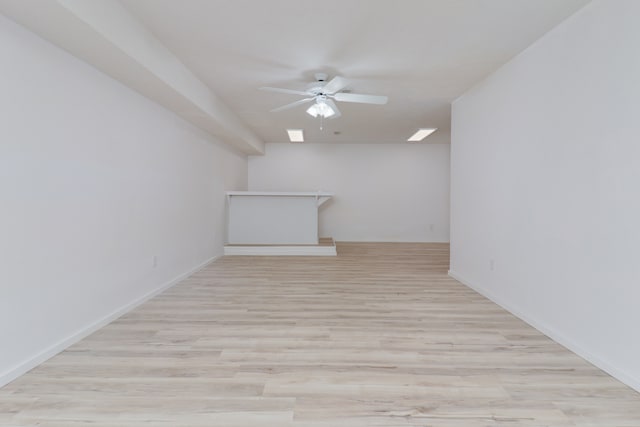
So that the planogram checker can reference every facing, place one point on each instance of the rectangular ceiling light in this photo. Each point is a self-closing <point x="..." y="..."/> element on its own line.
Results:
<point x="421" y="134"/>
<point x="295" y="135"/>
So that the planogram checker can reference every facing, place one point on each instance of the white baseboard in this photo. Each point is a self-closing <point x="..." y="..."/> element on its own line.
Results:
<point x="281" y="250"/>
<point x="550" y="332"/>
<point x="24" y="367"/>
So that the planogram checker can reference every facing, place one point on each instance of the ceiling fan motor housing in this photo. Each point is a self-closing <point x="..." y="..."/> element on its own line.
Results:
<point x="316" y="87"/>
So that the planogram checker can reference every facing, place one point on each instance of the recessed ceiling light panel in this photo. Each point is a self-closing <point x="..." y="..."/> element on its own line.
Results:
<point x="295" y="135"/>
<point x="421" y="134"/>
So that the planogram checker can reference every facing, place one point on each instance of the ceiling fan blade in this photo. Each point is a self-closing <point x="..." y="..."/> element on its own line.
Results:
<point x="334" y="107"/>
<point x="363" y="99"/>
<point x="280" y="90"/>
<point x="335" y="85"/>
<point x="293" y="104"/>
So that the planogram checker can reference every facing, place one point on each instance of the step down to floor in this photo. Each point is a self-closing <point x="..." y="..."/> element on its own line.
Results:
<point x="326" y="247"/>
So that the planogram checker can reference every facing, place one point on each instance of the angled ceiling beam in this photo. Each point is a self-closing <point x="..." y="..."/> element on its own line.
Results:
<point x="104" y="34"/>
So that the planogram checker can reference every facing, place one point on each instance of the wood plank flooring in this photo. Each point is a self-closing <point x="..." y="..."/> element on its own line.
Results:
<point x="379" y="336"/>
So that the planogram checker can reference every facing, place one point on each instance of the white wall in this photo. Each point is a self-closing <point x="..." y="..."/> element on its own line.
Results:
<point x="94" y="181"/>
<point x="546" y="182"/>
<point x="383" y="192"/>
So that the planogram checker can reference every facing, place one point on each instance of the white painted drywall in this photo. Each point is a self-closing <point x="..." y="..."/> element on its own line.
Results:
<point x="272" y="220"/>
<point x="546" y="183"/>
<point x="382" y="192"/>
<point x="95" y="181"/>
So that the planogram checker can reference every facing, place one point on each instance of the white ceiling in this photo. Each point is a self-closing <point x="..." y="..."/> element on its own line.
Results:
<point x="206" y="59"/>
<point x="422" y="54"/>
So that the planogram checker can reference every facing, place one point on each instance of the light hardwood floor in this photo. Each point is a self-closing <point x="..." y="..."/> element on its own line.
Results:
<point x="378" y="336"/>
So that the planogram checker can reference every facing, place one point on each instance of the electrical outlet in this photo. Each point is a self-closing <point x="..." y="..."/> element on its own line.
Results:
<point x="492" y="264"/>
<point x="154" y="261"/>
<point x="431" y="228"/>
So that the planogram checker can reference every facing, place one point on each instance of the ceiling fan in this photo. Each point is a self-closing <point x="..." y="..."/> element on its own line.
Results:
<point x="323" y="94"/>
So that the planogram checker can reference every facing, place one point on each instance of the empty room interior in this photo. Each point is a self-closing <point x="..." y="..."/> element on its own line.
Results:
<point x="365" y="213"/>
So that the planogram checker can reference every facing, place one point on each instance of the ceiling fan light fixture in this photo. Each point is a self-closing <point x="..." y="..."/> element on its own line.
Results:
<point x="322" y="94"/>
<point x="320" y="109"/>
<point x="296" y="135"/>
<point x="421" y="134"/>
